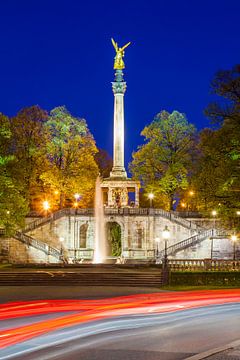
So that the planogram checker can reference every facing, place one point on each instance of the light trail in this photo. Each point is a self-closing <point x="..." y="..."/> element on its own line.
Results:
<point x="92" y="310"/>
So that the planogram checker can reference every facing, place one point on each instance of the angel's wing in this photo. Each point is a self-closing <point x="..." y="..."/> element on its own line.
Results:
<point x="125" y="46"/>
<point x="115" y="45"/>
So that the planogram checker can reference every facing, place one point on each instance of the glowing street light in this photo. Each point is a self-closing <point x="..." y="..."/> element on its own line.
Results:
<point x="77" y="196"/>
<point x="46" y="205"/>
<point x="151" y="196"/>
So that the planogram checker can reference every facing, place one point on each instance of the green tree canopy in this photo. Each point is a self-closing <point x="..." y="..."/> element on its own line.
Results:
<point x="13" y="206"/>
<point x="164" y="162"/>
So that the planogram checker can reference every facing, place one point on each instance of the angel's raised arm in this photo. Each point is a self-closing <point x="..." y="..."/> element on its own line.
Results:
<point x="115" y="45"/>
<point x="125" y="46"/>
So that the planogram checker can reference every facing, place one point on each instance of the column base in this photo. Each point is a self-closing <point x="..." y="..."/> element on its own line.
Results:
<point x="118" y="172"/>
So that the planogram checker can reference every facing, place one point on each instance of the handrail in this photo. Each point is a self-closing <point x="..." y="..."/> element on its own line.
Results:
<point x="192" y="240"/>
<point x="37" y="244"/>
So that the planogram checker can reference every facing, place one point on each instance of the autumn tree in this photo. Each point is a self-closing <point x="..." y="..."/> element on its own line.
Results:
<point x="217" y="178"/>
<point x="164" y="162"/>
<point x="29" y="149"/>
<point x="71" y="164"/>
<point x="13" y="206"/>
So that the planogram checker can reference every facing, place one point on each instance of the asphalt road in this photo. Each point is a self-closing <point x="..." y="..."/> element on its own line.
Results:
<point x="167" y="336"/>
<point x="21" y="293"/>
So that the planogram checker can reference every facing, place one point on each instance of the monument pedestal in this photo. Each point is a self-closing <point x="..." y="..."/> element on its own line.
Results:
<point x="116" y="190"/>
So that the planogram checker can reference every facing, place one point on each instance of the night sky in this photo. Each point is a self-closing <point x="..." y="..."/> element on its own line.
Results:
<point x="57" y="52"/>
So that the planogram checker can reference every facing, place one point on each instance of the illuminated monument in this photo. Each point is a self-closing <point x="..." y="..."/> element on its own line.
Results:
<point x="118" y="185"/>
<point x="140" y="229"/>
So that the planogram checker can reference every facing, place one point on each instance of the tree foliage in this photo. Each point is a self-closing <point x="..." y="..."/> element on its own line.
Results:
<point x="29" y="149"/>
<point x="164" y="162"/>
<point x="70" y="153"/>
<point x="13" y="206"/>
<point x="217" y="178"/>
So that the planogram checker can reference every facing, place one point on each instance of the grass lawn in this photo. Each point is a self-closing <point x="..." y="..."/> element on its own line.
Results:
<point x="189" y="288"/>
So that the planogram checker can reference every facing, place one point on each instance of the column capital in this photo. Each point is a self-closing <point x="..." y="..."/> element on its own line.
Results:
<point x="119" y="87"/>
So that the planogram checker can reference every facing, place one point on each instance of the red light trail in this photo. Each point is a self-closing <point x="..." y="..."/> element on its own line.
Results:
<point x="91" y="310"/>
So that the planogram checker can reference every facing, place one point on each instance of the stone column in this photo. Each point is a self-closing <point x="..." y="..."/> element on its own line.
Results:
<point x="136" y="196"/>
<point x="119" y="88"/>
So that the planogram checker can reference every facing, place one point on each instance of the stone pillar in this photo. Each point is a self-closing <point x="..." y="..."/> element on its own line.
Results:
<point x="119" y="88"/>
<point x="136" y="196"/>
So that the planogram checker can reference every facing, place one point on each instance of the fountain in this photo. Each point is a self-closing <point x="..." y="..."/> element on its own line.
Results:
<point x="100" y="246"/>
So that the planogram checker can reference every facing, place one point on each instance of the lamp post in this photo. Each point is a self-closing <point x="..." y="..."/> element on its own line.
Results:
<point x="191" y="194"/>
<point x="214" y="214"/>
<point x="151" y="196"/>
<point x="77" y="197"/>
<point x="157" y="250"/>
<point x="165" y="235"/>
<point x="61" y="239"/>
<point x="234" y="240"/>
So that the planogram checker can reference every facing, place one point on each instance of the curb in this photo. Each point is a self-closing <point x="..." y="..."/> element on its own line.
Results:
<point x="217" y="350"/>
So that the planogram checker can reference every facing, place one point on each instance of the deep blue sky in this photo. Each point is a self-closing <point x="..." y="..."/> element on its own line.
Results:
<point x="58" y="52"/>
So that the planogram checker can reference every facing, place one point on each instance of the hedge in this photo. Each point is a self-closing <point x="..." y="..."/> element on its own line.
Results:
<point x="198" y="278"/>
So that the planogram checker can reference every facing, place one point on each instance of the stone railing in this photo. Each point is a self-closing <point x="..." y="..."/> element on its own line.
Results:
<point x="139" y="254"/>
<point x="203" y="264"/>
<point x="37" y="244"/>
<point x="172" y="216"/>
<point x="193" y="240"/>
<point x="78" y="254"/>
<point x="189" y="214"/>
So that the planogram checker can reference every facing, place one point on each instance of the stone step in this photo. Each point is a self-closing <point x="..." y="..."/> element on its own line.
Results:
<point x="86" y="279"/>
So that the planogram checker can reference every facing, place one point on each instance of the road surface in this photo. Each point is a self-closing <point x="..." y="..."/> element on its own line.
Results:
<point x="171" y="329"/>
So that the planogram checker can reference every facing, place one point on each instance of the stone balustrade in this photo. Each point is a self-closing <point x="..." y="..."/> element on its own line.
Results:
<point x="203" y="264"/>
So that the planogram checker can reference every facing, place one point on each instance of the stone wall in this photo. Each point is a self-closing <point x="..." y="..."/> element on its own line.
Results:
<point x="74" y="234"/>
<point x="138" y="232"/>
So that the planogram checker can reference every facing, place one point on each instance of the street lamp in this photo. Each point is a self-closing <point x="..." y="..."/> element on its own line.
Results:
<point x="151" y="196"/>
<point x="61" y="239"/>
<point x="190" y="203"/>
<point x="46" y="206"/>
<point x="166" y="236"/>
<point x="157" y="250"/>
<point x="234" y="240"/>
<point x="214" y="214"/>
<point x="77" y="196"/>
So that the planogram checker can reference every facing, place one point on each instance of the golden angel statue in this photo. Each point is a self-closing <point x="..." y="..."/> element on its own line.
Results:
<point x="118" y="60"/>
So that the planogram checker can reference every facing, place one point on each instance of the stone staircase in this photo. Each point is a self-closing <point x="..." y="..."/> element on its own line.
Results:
<point x="37" y="244"/>
<point x="193" y="240"/>
<point x="82" y="278"/>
